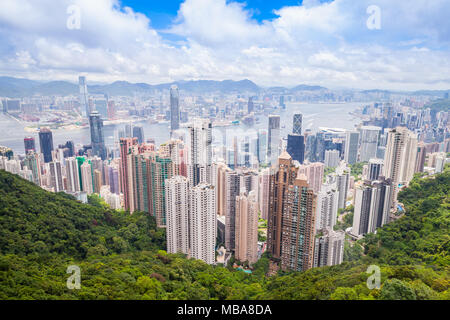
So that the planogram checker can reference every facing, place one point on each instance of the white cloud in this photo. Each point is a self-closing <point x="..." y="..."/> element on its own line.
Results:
<point x="327" y="44"/>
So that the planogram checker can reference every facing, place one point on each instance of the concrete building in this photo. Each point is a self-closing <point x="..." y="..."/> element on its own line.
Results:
<point x="177" y="214"/>
<point x="203" y="223"/>
<point x="246" y="227"/>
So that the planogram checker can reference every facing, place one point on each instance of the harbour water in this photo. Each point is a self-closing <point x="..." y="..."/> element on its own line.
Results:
<point x="316" y="115"/>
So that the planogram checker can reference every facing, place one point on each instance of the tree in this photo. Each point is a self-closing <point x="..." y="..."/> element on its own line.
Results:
<point x="395" y="289"/>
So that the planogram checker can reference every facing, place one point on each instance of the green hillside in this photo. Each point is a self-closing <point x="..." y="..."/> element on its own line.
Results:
<point x="122" y="256"/>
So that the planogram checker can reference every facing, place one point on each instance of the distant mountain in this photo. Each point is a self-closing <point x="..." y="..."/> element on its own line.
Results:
<point x="16" y="88"/>
<point x="304" y="87"/>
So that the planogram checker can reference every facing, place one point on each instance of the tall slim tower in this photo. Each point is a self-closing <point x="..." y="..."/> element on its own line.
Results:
<point x="29" y="144"/>
<point x="247" y="227"/>
<point x="46" y="142"/>
<point x="127" y="147"/>
<point x="297" y="124"/>
<point x="351" y="147"/>
<point x="203" y="223"/>
<point x="177" y="214"/>
<point x="97" y="137"/>
<point x="273" y="139"/>
<point x="200" y="152"/>
<point x="281" y="178"/>
<point x="369" y="142"/>
<point x="174" y="108"/>
<point x="298" y="226"/>
<point x="84" y="101"/>
<point x="400" y="158"/>
<point x="138" y="132"/>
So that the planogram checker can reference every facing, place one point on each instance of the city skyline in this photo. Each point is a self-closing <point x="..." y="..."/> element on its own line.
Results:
<point x="313" y="163"/>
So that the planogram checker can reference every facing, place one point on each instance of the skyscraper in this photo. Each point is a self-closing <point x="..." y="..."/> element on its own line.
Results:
<point x="296" y="147"/>
<point x="200" y="152"/>
<point x="369" y="142"/>
<point x="400" y="158"/>
<point x="281" y="178"/>
<point x="86" y="177"/>
<point x="327" y="206"/>
<point x="174" y="108"/>
<point x="203" y="223"/>
<point x="314" y="174"/>
<point x="329" y="248"/>
<point x="247" y="227"/>
<point x="262" y="146"/>
<point x="372" y="206"/>
<point x="32" y="162"/>
<point x="97" y="137"/>
<point x="138" y="132"/>
<point x="232" y="190"/>
<point x="421" y="155"/>
<point x="250" y="105"/>
<point x="273" y="139"/>
<point x="56" y="176"/>
<point x="332" y="158"/>
<point x="177" y="213"/>
<point x="84" y="101"/>
<point x="298" y="226"/>
<point x="127" y="147"/>
<point x="351" y="147"/>
<point x="29" y="144"/>
<point x="46" y="143"/>
<point x="375" y="169"/>
<point x="297" y="124"/>
<point x="73" y="179"/>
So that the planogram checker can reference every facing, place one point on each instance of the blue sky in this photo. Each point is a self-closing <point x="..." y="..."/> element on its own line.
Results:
<point x="282" y="42"/>
<point x="162" y="13"/>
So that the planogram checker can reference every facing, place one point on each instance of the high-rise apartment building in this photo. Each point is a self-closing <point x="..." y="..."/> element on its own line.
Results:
<point x="421" y="156"/>
<point x="203" y="223"/>
<point x="86" y="178"/>
<point x="351" y="147"/>
<point x="282" y="176"/>
<point x="264" y="188"/>
<point x="298" y="226"/>
<point x="29" y="144"/>
<point x="332" y="158"/>
<point x="177" y="214"/>
<point x="314" y="173"/>
<point x="232" y="190"/>
<point x="273" y="139"/>
<point x="56" y="176"/>
<point x="127" y="148"/>
<point x="200" y="152"/>
<point x="72" y="173"/>
<point x="368" y="142"/>
<point x="400" y="159"/>
<point x="246" y="227"/>
<point x="372" y="206"/>
<point x="329" y="248"/>
<point x="375" y="169"/>
<point x="327" y="206"/>
<point x="174" y="108"/>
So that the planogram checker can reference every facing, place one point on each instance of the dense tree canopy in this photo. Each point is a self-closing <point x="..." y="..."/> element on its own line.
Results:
<point x="121" y="256"/>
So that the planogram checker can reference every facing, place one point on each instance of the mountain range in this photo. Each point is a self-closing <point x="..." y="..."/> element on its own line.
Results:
<point x="12" y="87"/>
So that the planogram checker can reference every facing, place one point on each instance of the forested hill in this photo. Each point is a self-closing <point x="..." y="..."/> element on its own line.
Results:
<point x="122" y="256"/>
